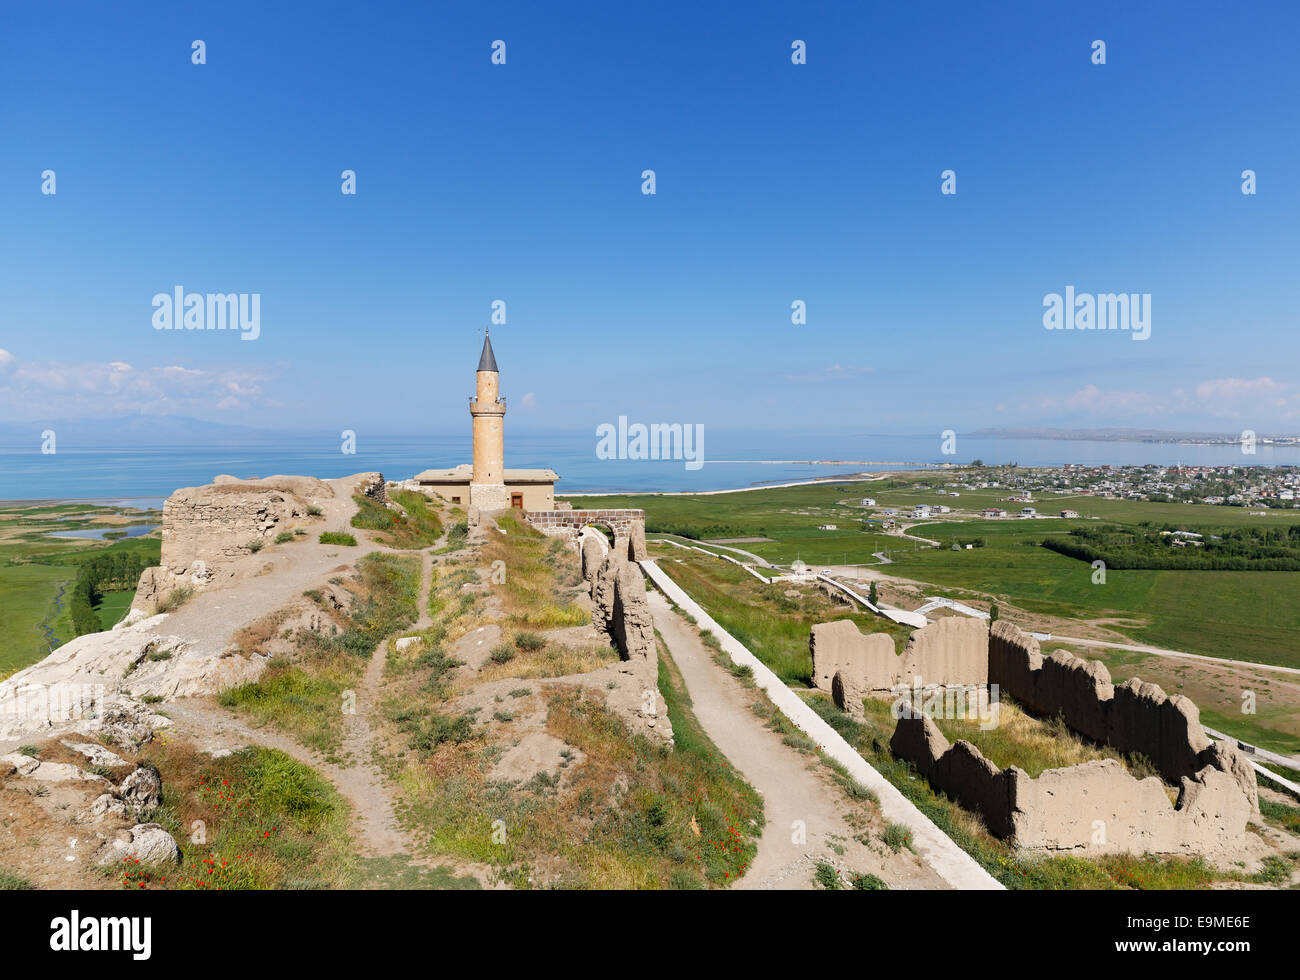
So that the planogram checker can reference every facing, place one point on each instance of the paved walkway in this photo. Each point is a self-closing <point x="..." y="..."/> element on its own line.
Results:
<point x="948" y="861"/>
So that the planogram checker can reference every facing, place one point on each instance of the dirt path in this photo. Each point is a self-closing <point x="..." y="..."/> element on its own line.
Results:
<point x="794" y="786"/>
<point x="375" y="828"/>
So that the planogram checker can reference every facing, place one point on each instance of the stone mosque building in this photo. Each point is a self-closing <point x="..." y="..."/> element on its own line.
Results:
<point x="487" y="484"/>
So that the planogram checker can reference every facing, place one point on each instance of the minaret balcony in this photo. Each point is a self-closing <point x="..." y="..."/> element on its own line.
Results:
<point x="497" y="407"/>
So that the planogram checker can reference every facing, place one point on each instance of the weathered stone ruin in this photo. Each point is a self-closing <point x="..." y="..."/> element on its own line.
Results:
<point x="1097" y="807"/>
<point x="206" y="529"/>
<point x="851" y="666"/>
<point x="621" y="612"/>
<point x="1131" y="717"/>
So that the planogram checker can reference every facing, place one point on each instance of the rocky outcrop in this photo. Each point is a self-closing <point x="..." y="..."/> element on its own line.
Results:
<point x="94" y="683"/>
<point x="142" y="790"/>
<point x="148" y="843"/>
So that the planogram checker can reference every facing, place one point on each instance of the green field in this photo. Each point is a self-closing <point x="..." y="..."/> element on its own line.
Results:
<point x="1238" y="615"/>
<point x="34" y="567"/>
<point x="113" y="607"/>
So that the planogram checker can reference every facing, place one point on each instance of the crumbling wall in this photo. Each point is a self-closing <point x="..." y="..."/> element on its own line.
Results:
<point x="852" y="666"/>
<point x="1094" y="808"/>
<point x="621" y="612"/>
<point x="206" y="529"/>
<point x="1131" y="717"/>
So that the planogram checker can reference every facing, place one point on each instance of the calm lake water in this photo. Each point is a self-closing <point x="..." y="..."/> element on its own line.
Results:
<point x="732" y="460"/>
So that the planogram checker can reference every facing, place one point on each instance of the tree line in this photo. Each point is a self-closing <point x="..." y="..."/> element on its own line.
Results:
<point x="107" y="572"/>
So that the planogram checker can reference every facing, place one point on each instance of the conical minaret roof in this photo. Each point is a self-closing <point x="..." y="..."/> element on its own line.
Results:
<point x="487" y="361"/>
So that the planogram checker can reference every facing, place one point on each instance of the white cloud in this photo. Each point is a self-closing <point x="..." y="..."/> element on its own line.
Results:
<point x="529" y="401"/>
<point x="58" y="389"/>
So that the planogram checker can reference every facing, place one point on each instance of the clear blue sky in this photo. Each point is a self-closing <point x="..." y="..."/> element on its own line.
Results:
<point x="776" y="182"/>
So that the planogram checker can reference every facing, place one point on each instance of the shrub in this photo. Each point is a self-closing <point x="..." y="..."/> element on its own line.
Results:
<point x="827" y="876"/>
<point x="255" y="545"/>
<point x="174" y="599"/>
<point x="314" y="511"/>
<point x="284" y="536"/>
<point x="338" y="537"/>
<point x="502" y="654"/>
<point x="528" y="642"/>
<point x="868" y="882"/>
<point x="898" y="836"/>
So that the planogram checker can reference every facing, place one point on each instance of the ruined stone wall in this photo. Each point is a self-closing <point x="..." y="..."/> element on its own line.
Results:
<point x="1130" y="717"/>
<point x="1093" y="808"/>
<point x="852" y="666"/>
<point x="205" y="530"/>
<point x="621" y="612"/>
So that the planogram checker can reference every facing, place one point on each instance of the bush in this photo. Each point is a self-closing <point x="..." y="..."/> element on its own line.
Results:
<point x="338" y="537"/>
<point x="174" y="599"/>
<point x="827" y="876"/>
<point x="255" y="545"/>
<point x="528" y="642"/>
<point x="283" y="537"/>
<point x="897" y="836"/>
<point x="502" y="654"/>
<point x="314" y="511"/>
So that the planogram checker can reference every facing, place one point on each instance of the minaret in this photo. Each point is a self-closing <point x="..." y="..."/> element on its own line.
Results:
<point x="487" y="488"/>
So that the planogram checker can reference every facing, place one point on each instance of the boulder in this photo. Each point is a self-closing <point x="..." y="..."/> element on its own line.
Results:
<point x="142" y="790"/>
<point x="16" y="762"/>
<point x="147" y="843"/>
<point x="97" y="754"/>
<point x="106" y="806"/>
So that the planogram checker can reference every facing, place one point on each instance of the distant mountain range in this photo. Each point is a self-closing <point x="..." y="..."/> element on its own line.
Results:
<point x="1127" y="435"/>
<point x="153" y="431"/>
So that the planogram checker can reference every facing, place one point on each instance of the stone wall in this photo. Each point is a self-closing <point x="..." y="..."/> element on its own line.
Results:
<point x="215" y="523"/>
<point x="852" y="666"/>
<point x="620" y="611"/>
<point x="1130" y="717"/>
<point x="569" y="522"/>
<point x="1093" y="808"/>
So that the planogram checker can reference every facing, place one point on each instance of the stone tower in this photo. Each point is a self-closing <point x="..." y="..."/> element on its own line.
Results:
<point x="487" y="488"/>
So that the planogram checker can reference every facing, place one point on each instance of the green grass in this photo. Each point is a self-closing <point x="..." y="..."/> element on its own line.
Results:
<point x="269" y="822"/>
<point x="1243" y="615"/>
<point x="338" y="537"/>
<point x="417" y="525"/>
<point x="113" y="607"/>
<point x="305" y="696"/>
<point x="773" y="626"/>
<point x="10" y="881"/>
<point x="34" y="566"/>
<point x="27" y="597"/>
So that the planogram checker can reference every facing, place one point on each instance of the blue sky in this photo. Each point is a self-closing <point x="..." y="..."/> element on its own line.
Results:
<point x="775" y="183"/>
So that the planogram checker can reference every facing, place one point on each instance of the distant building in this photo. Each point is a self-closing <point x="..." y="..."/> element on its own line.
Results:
<point x="993" y="512"/>
<point x="868" y="501"/>
<point x="1028" y="512"/>
<point x="828" y="527"/>
<point x="1069" y="513"/>
<point x="487" y="484"/>
<point x="921" y="510"/>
